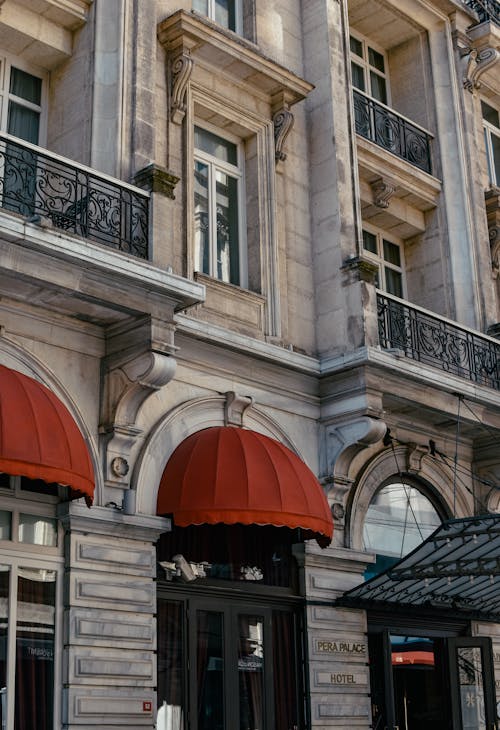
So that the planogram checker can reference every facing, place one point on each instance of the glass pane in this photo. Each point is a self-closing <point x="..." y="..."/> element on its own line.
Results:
<point x="171" y="708"/>
<point x="470" y="679"/>
<point x="225" y="13"/>
<point x="210" y="670"/>
<point x="376" y="59"/>
<point x="37" y="530"/>
<point x="201" y="220"/>
<point x="26" y="86"/>
<point x="228" y="261"/>
<point x="23" y="122"/>
<point x="358" y="77"/>
<point x="35" y="649"/>
<point x="393" y="282"/>
<point x="378" y="87"/>
<point x="398" y="519"/>
<point x="490" y="114"/>
<point x="288" y="693"/>
<point x="419" y="696"/>
<point x="495" y="163"/>
<point x="356" y="46"/>
<point x="251" y="671"/>
<point x="201" y="6"/>
<point x="392" y="253"/>
<point x="216" y="146"/>
<point x="370" y="242"/>
<point x="5" y="519"/>
<point x="4" y="613"/>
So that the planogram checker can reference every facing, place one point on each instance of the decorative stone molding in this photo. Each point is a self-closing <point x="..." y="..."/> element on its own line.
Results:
<point x="382" y="191"/>
<point x="156" y="179"/>
<point x="283" y="121"/>
<point x="235" y="407"/>
<point x="364" y="269"/>
<point x="478" y="62"/>
<point x="181" y="68"/>
<point x="416" y="453"/>
<point x="343" y="441"/>
<point x="492" y="203"/>
<point x="138" y="364"/>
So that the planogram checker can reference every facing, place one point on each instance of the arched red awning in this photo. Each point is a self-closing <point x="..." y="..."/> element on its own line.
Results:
<point x="232" y="475"/>
<point x="39" y="438"/>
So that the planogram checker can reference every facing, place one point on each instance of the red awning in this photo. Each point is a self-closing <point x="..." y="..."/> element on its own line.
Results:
<point x="39" y="438"/>
<point x="235" y="476"/>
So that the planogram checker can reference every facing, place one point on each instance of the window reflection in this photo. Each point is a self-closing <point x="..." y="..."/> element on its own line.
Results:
<point x="399" y="518"/>
<point x="37" y="530"/>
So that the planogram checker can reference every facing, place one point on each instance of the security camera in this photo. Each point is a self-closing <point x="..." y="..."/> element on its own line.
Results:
<point x="185" y="570"/>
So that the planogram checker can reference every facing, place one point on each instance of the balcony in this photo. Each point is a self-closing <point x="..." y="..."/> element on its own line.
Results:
<point x="396" y="134"/>
<point x="38" y="185"/>
<point x="486" y="9"/>
<point x="438" y="342"/>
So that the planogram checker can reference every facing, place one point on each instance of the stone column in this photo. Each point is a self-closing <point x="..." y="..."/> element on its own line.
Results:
<point x="339" y="676"/>
<point x="109" y="631"/>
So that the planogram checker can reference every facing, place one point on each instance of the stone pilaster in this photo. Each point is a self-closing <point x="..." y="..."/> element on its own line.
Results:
<point x="109" y="664"/>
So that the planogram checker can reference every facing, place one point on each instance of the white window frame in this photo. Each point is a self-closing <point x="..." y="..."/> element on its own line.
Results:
<point x="490" y="130"/>
<point x="381" y="262"/>
<point x="235" y="171"/>
<point x="238" y="14"/>
<point x="8" y="61"/>
<point x="363" y="62"/>
<point x="15" y="555"/>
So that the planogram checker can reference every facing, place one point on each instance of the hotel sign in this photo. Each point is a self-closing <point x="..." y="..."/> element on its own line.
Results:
<point x="351" y="648"/>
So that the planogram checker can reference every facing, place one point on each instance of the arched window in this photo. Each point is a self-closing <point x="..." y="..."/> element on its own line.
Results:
<point x="399" y="517"/>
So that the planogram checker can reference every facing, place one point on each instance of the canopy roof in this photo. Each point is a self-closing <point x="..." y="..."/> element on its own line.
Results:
<point x="39" y="438"/>
<point x="456" y="569"/>
<point x="236" y="476"/>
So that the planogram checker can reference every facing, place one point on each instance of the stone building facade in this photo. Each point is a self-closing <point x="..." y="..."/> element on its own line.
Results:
<point x="275" y="217"/>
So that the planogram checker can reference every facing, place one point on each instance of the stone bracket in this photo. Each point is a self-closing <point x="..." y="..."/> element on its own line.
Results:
<point x="181" y="67"/>
<point x="362" y="268"/>
<point x="235" y="407"/>
<point x="283" y="122"/>
<point x="139" y="363"/>
<point x="156" y="179"/>
<point x="478" y="62"/>
<point x="382" y="190"/>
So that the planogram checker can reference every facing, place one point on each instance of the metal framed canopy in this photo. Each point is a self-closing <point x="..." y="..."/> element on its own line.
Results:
<point x="456" y="569"/>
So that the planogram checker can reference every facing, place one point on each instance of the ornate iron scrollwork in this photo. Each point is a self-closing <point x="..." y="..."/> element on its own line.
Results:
<point x="391" y="131"/>
<point x="73" y="199"/>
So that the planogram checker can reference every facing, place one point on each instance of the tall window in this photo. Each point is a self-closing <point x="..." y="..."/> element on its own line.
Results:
<point x="30" y="566"/>
<point x="491" y="126"/>
<point x="369" y="69"/>
<point x="224" y="12"/>
<point x="218" y="213"/>
<point x="388" y="255"/>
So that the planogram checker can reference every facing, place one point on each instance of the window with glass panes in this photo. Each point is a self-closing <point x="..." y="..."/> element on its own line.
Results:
<point x="30" y="572"/>
<point x="369" y="69"/>
<point x="218" y="213"/>
<point x="21" y="102"/>
<point x="491" y="126"/>
<point x="224" y="12"/>
<point x="389" y="256"/>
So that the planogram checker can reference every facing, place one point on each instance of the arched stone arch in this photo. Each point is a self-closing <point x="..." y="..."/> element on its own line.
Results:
<point x="15" y="357"/>
<point x="177" y="425"/>
<point x="411" y="461"/>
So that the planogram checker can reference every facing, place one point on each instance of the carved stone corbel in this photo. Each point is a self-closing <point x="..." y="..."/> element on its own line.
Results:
<point x="235" y="407"/>
<point x="382" y="190"/>
<point x="283" y="122"/>
<point x="139" y="363"/>
<point x="343" y="441"/>
<point x="416" y="453"/>
<point x="478" y="61"/>
<point x="180" y="73"/>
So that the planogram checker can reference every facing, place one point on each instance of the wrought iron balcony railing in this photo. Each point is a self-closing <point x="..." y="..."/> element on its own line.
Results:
<point x="486" y="9"/>
<point x="389" y="130"/>
<point x="438" y="342"/>
<point x="75" y="198"/>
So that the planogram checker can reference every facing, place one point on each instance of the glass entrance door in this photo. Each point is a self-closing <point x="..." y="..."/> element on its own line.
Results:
<point x="472" y="683"/>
